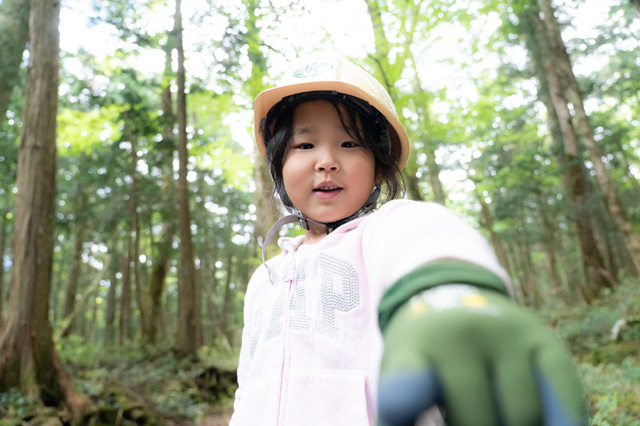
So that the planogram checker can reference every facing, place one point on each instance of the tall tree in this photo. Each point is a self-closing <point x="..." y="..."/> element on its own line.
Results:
<point x="28" y="359"/>
<point x="389" y="72"/>
<point x="267" y="206"/>
<point x="564" y="135"/>
<point x="4" y="213"/>
<point x="14" y="33"/>
<point x="71" y="292"/>
<point x="573" y="94"/>
<point x="393" y="57"/>
<point x="110" y="308"/>
<point x="160" y="266"/>
<point x="188" y="317"/>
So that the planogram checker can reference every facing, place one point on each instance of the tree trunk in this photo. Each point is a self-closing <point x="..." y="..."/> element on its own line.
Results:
<point x="226" y="304"/>
<point x="518" y="274"/>
<point x="76" y="262"/>
<point x="572" y="275"/>
<point x="429" y="146"/>
<point x="549" y="239"/>
<point x="28" y="358"/>
<point x="125" y="322"/>
<point x="187" y="315"/>
<point x="14" y="34"/>
<point x="528" y="281"/>
<point x="110" y="310"/>
<point x="434" y="175"/>
<point x="498" y="247"/>
<point x="4" y="213"/>
<point x="134" y="217"/>
<point x="91" y="329"/>
<point x="591" y="258"/>
<point x="211" y="288"/>
<point x="74" y="274"/>
<point x="267" y="205"/>
<point x="390" y="73"/>
<point x="164" y="245"/>
<point x="573" y="93"/>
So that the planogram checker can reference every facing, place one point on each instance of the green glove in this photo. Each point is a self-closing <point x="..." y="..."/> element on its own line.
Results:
<point x="483" y="359"/>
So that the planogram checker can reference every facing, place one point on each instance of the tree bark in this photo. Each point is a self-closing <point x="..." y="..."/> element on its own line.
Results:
<point x="125" y="326"/>
<point x="125" y="323"/>
<point x="429" y="146"/>
<point x="134" y="217"/>
<point x="391" y="72"/>
<point x="74" y="274"/>
<point x="498" y="247"/>
<point x="528" y="280"/>
<point x="574" y="95"/>
<point x="164" y="245"/>
<point x="226" y="304"/>
<point x="76" y="262"/>
<point x="267" y="205"/>
<point x="28" y="358"/>
<point x="110" y="310"/>
<point x="573" y="282"/>
<point x="549" y="239"/>
<point x="575" y="179"/>
<point x="187" y="315"/>
<point x="3" y="244"/>
<point x="14" y="34"/>
<point x="211" y="288"/>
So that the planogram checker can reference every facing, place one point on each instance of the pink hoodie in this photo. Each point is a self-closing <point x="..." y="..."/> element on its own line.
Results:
<point x="311" y="346"/>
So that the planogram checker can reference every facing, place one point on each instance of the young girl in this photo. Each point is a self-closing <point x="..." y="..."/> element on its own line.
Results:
<point x="378" y="316"/>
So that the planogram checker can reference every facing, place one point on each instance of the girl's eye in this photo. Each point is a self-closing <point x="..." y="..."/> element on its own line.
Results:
<point x="349" y="144"/>
<point x="304" y="146"/>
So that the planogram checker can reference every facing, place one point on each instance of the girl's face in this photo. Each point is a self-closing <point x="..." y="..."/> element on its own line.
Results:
<point x="327" y="173"/>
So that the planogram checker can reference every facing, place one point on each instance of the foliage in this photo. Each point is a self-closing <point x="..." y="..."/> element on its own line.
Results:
<point x="614" y="392"/>
<point x="610" y="368"/>
<point x="14" y="405"/>
<point x="151" y="383"/>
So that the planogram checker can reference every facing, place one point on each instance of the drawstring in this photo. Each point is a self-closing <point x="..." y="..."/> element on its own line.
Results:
<point x="275" y="228"/>
<point x="306" y="223"/>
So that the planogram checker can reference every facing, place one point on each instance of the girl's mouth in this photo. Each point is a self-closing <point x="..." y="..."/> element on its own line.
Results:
<point x="327" y="191"/>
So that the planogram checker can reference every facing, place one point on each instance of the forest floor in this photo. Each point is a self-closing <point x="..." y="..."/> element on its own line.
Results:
<point x="215" y="420"/>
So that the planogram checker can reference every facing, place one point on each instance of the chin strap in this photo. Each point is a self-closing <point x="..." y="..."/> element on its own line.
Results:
<point x="307" y="223"/>
<point x="275" y="228"/>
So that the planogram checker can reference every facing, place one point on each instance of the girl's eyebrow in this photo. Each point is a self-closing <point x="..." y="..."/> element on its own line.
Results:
<point x="303" y="130"/>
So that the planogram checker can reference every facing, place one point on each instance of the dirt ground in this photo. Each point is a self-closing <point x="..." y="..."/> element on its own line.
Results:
<point x="216" y="420"/>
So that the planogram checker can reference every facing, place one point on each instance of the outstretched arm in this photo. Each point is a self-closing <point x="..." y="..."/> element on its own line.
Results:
<point x="454" y="339"/>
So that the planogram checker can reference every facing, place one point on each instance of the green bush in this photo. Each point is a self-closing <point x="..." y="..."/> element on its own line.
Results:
<point x="614" y="392"/>
<point x="610" y="368"/>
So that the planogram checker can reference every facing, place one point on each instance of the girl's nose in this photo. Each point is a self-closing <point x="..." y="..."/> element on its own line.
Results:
<point x="327" y="161"/>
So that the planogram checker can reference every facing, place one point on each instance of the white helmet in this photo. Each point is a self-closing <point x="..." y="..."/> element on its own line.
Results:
<point x="340" y="75"/>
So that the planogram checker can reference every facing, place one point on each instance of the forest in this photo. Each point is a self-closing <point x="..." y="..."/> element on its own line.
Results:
<point x="133" y="205"/>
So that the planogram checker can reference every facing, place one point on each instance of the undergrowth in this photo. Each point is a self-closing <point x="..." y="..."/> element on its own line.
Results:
<point x="610" y="367"/>
<point x="152" y="385"/>
<point x="137" y="385"/>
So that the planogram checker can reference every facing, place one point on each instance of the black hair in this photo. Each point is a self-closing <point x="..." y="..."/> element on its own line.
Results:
<point x="373" y="134"/>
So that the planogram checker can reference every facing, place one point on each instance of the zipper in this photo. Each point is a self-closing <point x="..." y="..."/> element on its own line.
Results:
<point x="286" y="342"/>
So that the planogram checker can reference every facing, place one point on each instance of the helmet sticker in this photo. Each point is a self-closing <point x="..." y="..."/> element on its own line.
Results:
<point x="314" y="69"/>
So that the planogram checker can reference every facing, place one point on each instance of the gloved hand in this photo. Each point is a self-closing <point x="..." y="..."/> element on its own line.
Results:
<point x="483" y="359"/>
